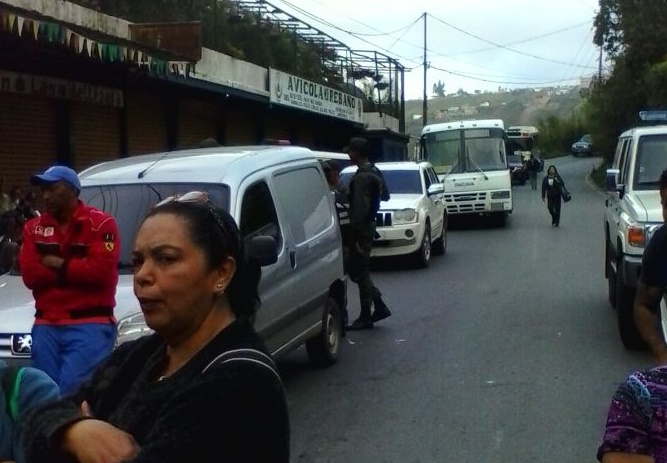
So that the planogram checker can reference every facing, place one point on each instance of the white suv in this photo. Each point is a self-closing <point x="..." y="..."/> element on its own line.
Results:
<point x="632" y="214"/>
<point x="413" y="222"/>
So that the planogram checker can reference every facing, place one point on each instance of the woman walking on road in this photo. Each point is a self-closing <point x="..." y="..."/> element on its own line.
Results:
<point x="552" y="189"/>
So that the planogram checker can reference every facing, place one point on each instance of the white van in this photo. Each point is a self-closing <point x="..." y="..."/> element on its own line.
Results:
<point x="277" y="194"/>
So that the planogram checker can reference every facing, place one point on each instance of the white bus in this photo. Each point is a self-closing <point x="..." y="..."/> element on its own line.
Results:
<point x="524" y="139"/>
<point x="470" y="159"/>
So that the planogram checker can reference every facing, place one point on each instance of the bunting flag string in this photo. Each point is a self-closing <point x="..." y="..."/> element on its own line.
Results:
<point x="59" y="34"/>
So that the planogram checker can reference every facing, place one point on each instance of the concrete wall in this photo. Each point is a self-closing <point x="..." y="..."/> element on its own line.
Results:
<point x="224" y="70"/>
<point x="380" y="121"/>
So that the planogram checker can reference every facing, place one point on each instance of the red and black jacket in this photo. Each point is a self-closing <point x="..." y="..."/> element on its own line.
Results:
<point x="83" y="290"/>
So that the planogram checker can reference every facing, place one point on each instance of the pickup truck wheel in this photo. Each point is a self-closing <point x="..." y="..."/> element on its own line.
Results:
<point x="323" y="349"/>
<point x="611" y="276"/>
<point x="625" y="298"/>
<point x="423" y="255"/>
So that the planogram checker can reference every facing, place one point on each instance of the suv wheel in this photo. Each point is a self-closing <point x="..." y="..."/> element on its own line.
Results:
<point x="323" y="349"/>
<point x="423" y="254"/>
<point x="625" y="298"/>
<point x="439" y="246"/>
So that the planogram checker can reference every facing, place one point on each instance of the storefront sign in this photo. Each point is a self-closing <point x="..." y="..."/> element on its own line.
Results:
<point x="296" y="92"/>
<point x="48" y="87"/>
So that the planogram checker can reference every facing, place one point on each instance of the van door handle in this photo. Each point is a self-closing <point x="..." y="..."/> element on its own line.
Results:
<point x="292" y="259"/>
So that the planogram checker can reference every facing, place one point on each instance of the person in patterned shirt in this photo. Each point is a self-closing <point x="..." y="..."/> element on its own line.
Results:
<point x="636" y="429"/>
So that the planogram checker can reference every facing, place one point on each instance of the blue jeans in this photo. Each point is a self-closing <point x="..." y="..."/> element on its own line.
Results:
<point x="70" y="353"/>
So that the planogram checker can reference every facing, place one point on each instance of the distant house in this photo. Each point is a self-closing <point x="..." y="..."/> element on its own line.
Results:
<point x="416" y="117"/>
<point x="469" y="110"/>
<point x="485" y="104"/>
<point x="453" y="109"/>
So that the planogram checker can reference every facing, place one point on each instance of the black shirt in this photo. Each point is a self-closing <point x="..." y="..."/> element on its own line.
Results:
<point x="233" y="412"/>
<point x="654" y="260"/>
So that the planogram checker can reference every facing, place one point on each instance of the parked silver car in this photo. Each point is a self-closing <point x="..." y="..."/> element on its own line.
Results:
<point x="281" y="201"/>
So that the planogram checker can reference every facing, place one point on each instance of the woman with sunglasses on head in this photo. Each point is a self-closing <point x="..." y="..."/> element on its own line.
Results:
<point x="203" y="387"/>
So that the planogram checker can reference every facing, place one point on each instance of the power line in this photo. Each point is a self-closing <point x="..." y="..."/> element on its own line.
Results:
<point x="467" y="76"/>
<point x="333" y="26"/>
<point x="517" y="42"/>
<point x="496" y="45"/>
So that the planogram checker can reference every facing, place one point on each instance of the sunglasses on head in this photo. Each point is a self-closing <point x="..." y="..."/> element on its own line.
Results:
<point x="200" y="197"/>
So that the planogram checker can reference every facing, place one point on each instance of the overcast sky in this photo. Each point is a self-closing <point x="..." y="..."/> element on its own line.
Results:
<point x="471" y="44"/>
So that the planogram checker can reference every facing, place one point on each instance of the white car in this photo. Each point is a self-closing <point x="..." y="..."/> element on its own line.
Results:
<point x="413" y="222"/>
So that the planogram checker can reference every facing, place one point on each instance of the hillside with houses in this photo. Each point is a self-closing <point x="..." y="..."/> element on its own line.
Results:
<point x="515" y="107"/>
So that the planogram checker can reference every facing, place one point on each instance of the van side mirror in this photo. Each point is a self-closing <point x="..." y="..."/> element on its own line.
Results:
<point x="263" y="248"/>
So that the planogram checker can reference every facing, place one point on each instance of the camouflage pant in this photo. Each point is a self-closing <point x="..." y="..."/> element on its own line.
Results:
<point x="360" y="273"/>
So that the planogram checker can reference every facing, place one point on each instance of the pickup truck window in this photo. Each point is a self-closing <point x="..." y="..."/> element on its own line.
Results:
<point x="651" y="161"/>
<point x="626" y="151"/>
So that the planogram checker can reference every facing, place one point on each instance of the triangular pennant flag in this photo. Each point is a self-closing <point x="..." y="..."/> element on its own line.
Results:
<point x="73" y="43"/>
<point x="20" y="21"/>
<point x="4" y="17"/>
<point x="12" y="23"/>
<point x="68" y="36"/>
<point x="35" y="29"/>
<point x="62" y="34"/>
<point x="89" y="47"/>
<point x="52" y="32"/>
<point x="80" y="44"/>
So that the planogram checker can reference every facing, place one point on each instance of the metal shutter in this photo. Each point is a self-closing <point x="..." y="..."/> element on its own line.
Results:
<point x="95" y="134"/>
<point x="146" y="124"/>
<point x="27" y="137"/>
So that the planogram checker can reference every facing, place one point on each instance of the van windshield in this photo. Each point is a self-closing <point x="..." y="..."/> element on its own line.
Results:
<point x="130" y="203"/>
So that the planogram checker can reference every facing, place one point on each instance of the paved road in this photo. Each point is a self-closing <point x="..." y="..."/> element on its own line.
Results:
<point x="504" y="350"/>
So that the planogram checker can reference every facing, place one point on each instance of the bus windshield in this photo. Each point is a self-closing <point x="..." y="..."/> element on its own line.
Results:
<point x="465" y="150"/>
<point x="523" y="140"/>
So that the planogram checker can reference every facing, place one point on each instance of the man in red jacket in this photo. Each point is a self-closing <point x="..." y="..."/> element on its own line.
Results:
<point x="69" y="259"/>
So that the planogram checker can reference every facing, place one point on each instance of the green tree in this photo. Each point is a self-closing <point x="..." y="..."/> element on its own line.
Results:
<point x="232" y="31"/>
<point x="633" y="34"/>
<point x="439" y="89"/>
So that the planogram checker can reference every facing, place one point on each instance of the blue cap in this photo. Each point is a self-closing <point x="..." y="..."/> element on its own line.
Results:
<point x="57" y="174"/>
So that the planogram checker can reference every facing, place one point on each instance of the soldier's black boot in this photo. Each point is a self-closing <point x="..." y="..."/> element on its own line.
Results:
<point x="381" y="310"/>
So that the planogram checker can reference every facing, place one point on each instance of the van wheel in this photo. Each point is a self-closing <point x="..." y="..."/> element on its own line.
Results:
<point x="423" y="255"/>
<point x="625" y="298"/>
<point x="323" y="349"/>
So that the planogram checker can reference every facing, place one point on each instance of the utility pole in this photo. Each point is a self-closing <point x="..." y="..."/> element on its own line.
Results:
<point x="425" y="104"/>
<point x="600" y="65"/>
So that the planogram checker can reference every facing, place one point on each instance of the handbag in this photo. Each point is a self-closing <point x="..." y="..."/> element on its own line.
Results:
<point x="565" y="195"/>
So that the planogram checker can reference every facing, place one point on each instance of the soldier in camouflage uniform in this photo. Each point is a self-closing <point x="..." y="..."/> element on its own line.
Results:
<point x="366" y="190"/>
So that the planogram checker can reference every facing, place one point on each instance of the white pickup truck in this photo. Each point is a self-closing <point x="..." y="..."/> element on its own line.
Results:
<point x="632" y="215"/>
